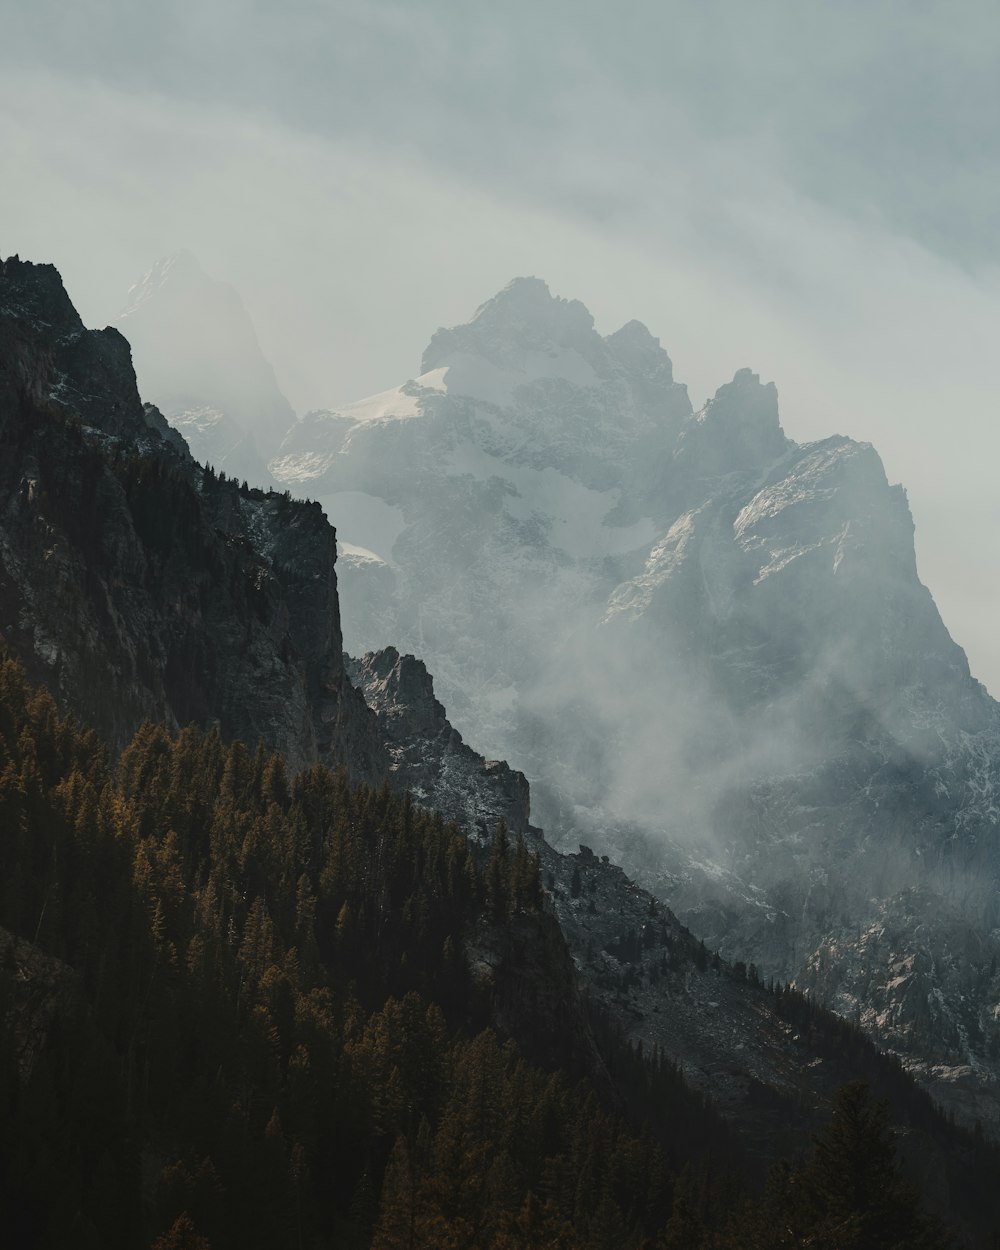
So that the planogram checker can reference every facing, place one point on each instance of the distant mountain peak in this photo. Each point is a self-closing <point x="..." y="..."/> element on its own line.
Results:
<point x="633" y="332"/>
<point x="180" y="264"/>
<point x="180" y="270"/>
<point x="738" y="429"/>
<point x="641" y="352"/>
<point x="743" y="403"/>
<point x="196" y="351"/>
<point x="524" y="328"/>
<point x="528" y="301"/>
<point x="523" y="317"/>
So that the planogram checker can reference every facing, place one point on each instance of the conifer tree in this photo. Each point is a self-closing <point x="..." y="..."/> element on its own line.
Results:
<point x="498" y="875"/>
<point x="850" y="1193"/>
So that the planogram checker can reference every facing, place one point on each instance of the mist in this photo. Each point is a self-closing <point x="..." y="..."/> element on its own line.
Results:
<point x="808" y="194"/>
<point x="762" y="717"/>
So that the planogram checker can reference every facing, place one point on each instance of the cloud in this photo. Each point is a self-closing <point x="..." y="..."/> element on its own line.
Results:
<point x="393" y="173"/>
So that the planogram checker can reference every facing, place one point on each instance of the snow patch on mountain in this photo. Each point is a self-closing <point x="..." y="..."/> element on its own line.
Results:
<point x="574" y="518"/>
<point x="398" y="404"/>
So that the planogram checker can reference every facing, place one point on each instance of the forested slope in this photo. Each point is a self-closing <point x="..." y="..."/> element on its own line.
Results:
<point x="239" y="1011"/>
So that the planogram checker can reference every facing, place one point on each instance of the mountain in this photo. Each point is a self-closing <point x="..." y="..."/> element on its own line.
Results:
<point x="137" y="584"/>
<point x="197" y="358"/>
<point x="706" y="646"/>
<point x="224" y="984"/>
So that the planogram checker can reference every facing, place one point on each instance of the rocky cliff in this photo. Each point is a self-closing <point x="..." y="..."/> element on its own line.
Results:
<point x="427" y="754"/>
<point x="137" y="584"/>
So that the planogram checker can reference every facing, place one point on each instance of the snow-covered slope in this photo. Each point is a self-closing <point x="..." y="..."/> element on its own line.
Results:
<point x="706" y="646"/>
<point x="197" y="357"/>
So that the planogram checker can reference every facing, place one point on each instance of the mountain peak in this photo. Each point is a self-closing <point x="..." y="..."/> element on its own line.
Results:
<point x="527" y="331"/>
<point x="50" y="360"/>
<point x="528" y="300"/>
<point x="36" y="292"/>
<point x="524" y="289"/>
<point x="743" y="401"/>
<point x="173" y="275"/>
<point x="747" y="378"/>
<point x="180" y="264"/>
<point x="739" y="429"/>
<point x="640" y="352"/>
<point x="197" y="357"/>
<point x="523" y="317"/>
<point x="633" y="332"/>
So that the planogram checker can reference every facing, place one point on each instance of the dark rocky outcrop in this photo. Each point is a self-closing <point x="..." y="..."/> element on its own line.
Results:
<point x="136" y="584"/>
<point x="428" y="756"/>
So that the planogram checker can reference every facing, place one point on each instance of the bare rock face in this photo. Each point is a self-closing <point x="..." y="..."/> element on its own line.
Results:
<point x="428" y="756"/>
<point x="922" y="976"/>
<point x="738" y="430"/>
<point x="137" y="584"/>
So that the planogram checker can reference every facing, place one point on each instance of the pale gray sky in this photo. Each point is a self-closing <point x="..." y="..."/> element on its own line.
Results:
<point x="807" y="188"/>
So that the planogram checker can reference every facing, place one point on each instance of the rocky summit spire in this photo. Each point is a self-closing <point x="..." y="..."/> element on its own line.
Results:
<point x="745" y="403"/>
<point x="53" y="362"/>
<point x="641" y="354"/>
<point x="738" y="430"/>
<point x="524" y="317"/>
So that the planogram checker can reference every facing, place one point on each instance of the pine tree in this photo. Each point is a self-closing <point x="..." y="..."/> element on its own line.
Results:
<point x="526" y="880"/>
<point x="182" y="1235"/>
<point x="850" y="1194"/>
<point x="397" y="1218"/>
<point x="498" y="875"/>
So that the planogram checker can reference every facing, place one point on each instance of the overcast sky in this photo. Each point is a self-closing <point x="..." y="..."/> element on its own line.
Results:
<point x="809" y="189"/>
